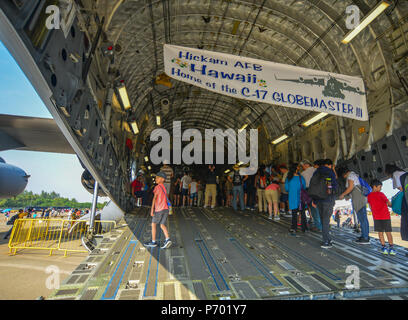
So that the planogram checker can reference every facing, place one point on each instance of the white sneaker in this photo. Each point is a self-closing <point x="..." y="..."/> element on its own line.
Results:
<point x="166" y="244"/>
<point x="276" y="218"/>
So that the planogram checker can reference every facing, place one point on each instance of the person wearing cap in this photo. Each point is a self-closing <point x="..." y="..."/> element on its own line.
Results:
<point x="159" y="212"/>
<point x="307" y="173"/>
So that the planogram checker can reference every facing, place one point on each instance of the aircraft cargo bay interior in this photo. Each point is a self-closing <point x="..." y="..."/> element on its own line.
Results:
<point x="227" y="135"/>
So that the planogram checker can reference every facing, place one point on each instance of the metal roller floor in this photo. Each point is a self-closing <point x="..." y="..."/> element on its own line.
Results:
<point x="220" y="254"/>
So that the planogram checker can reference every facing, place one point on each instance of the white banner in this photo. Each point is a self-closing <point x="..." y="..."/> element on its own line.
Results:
<point x="268" y="82"/>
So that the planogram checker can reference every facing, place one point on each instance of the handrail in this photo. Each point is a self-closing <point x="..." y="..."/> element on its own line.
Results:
<point x="54" y="234"/>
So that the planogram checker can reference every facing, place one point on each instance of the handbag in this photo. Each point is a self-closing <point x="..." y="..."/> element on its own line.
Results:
<point x="304" y="196"/>
<point x="168" y="201"/>
<point x="396" y="202"/>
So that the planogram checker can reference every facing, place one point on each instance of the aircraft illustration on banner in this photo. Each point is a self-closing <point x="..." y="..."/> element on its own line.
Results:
<point x="333" y="87"/>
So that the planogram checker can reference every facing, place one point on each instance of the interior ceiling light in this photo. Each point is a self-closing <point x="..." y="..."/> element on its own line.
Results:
<point x="314" y="119"/>
<point x="149" y="167"/>
<point x="158" y="120"/>
<point x="280" y="139"/>
<point x="126" y="127"/>
<point x="374" y="13"/>
<point x="124" y="97"/>
<point x="146" y="158"/>
<point x="226" y="171"/>
<point x="243" y="127"/>
<point x="134" y="127"/>
<point x="116" y="103"/>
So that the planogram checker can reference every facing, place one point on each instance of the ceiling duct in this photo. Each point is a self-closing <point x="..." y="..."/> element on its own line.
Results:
<point x="244" y="113"/>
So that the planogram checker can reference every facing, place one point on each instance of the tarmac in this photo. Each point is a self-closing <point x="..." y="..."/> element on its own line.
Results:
<point x="216" y="254"/>
<point x="24" y="276"/>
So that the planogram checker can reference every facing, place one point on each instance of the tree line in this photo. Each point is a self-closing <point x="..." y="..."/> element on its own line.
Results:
<point x="45" y="199"/>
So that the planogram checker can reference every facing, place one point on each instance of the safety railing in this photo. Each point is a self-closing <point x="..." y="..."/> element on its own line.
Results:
<point x="54" y="234"/>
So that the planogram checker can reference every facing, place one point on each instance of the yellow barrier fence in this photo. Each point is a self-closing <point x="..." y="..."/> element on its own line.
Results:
<point x="54" y="234"/>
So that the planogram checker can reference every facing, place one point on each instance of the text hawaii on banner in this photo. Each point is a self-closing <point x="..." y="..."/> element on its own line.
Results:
<point x="268" y="82"/>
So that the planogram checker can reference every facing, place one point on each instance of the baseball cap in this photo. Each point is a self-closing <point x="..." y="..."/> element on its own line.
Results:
<point x="305" y="161"/>
<point x="161" y="174"/>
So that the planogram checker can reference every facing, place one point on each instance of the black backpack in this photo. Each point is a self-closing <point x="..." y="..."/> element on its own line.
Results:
<point x="318" y="187"/>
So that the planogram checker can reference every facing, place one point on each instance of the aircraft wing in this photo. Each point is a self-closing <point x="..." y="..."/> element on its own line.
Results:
<point x="32" y="134"/>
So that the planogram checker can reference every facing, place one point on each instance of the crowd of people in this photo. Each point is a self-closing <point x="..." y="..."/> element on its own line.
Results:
<point x="306" y="192"/>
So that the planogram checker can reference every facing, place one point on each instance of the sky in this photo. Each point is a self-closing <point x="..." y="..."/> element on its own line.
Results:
<point x="49" y="171"/>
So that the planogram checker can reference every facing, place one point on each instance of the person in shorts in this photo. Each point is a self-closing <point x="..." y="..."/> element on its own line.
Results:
<point x="382" y="220"/>
<point x="284" y="196"/>
<point x="159" y="212"/>
<point x="228" y="192"/>
<point x="193" y="192"/>
<point x="185" y="181"/>
<point x="177" y="192"/>
<point x="272" y="197"/>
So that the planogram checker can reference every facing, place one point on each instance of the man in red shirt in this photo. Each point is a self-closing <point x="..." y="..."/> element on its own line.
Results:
<point x="137" y="186"/>
<point x="159" y="211"/>
<point x="382" y="220"/>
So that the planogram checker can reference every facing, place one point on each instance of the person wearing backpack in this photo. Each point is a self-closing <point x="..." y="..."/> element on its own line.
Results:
<point x="322" y="190"/>
<point x="237" y="189"/>
<point x="359" y="201"/>
<point x="260" y="180"/>
<point x="284" y="194"/>
<point x="293" y="184"/>
<point x="307" y="172"/>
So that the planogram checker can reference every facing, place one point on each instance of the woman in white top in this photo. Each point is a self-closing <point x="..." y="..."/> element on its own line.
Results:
<point x="359" y="201"/>
<point x="397" y="175"/>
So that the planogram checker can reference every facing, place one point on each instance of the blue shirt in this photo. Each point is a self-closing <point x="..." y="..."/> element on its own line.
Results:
<point x="293" y="187"/>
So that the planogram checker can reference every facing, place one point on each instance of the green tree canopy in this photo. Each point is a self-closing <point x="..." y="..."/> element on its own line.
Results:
<point x="45" y="199"/>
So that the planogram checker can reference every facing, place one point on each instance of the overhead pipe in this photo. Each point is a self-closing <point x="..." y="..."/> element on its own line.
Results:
<point x="343" y="137"/>
<point x="88" y="61"/>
